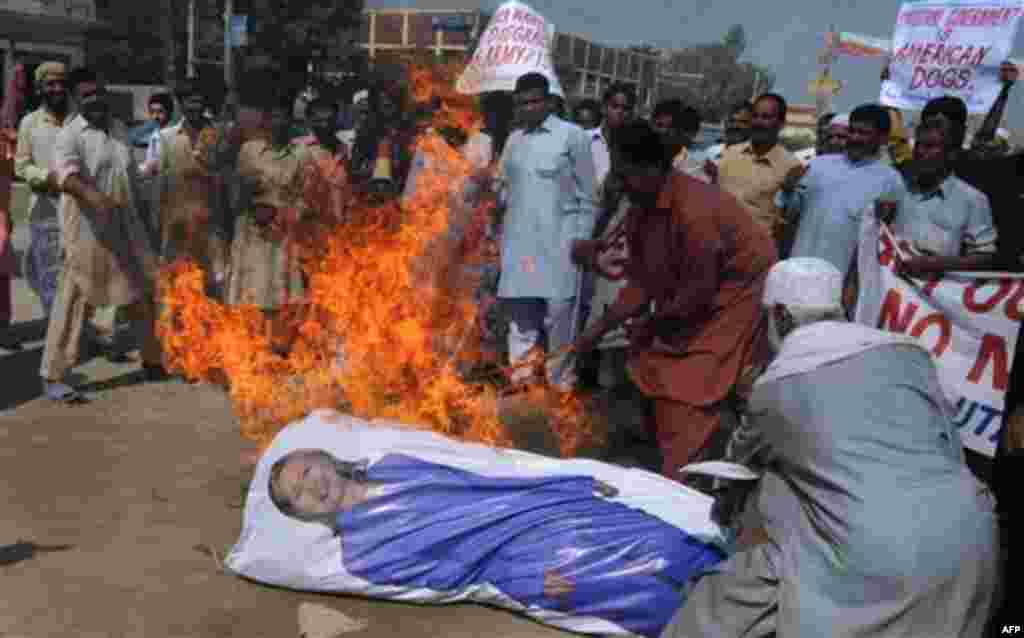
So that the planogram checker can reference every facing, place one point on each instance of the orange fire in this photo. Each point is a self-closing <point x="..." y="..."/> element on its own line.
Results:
<point x="388" y="323"/>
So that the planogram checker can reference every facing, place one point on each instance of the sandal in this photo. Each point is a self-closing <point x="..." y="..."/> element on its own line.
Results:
<point x="62" y="393"/>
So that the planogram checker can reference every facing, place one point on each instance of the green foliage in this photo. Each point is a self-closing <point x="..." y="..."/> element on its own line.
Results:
<point x="725" y="81"/>
<point x="735" y="40"/>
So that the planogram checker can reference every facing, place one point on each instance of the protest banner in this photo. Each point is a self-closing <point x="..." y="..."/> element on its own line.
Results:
<point x="517" y="41"/>
<point x="950" y="47"/>
<point x="968" y="321"/>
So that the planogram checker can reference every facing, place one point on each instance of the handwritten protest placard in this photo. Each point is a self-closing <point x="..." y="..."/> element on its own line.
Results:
<point x="950" y="47"/>
<point x="969" y="324"/>
<point x="517" y="41"/>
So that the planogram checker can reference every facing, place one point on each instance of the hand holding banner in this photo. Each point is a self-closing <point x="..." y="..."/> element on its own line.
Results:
<point x="950" y="47"/>
<point x="516" y="42"/>
<point x="968" y="321"/>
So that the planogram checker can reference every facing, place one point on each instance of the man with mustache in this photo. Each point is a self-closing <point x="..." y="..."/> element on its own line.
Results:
<point x="947" y="221"/>
<point x="873" y="525"/>
<point x="108" y="260"/>
<point x="827" y="199"/>
<point x="754" y="171"/>
<point x="37" y="137"/>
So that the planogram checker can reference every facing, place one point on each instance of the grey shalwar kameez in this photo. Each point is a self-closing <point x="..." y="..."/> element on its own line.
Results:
<point x="877" y="529"/>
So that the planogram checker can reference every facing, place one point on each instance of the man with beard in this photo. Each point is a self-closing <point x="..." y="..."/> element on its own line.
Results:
<point x="108" y="258"/>
<point x="827" y="199"/>
<point x="161" y="111"/>
<point x="874" y="525"/>
<point x="193" y="202"/>
<point x="947" y="221"/>
<point x="691" y="304"/>
<point x="754" y="171"/>
<point x="33" y="161"/>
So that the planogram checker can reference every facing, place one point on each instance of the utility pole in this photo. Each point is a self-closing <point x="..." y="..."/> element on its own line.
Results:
<point x="231" y="99"/>
<point x="825" y="85"/>
<point x="191" y="68"/>
<point x="170" y="46"/>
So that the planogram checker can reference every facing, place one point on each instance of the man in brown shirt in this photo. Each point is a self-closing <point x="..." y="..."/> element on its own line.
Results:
<point x="696" y="269"/>
<point x="754" y="171"/>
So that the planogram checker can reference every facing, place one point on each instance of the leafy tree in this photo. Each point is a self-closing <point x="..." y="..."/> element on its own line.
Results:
<point x="735" y="40"/>
<point x="724" y="82"/>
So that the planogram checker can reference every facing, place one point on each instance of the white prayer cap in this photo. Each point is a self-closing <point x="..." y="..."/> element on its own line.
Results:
<point x="360" y="96"/>
<point x="804" y="282"/>
<point x="843" y="119"/>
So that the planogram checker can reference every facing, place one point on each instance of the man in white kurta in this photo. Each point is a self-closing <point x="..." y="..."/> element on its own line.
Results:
<point x="548" y="174"/>
<point x="108" y="258"/>
<point x="875" y="526"/>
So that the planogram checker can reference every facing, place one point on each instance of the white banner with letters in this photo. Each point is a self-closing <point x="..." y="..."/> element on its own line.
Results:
<point x="517" y="41"/>
<point x="950" y="47"/>
<point x="968" y="321"/>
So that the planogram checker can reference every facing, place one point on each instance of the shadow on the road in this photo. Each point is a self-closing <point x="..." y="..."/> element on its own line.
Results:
<point x="132" y="378"/>
<point x="29" y="331"/>
<point x="20" y="378"/>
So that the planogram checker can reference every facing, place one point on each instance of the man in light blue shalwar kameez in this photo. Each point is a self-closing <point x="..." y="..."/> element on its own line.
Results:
<point x="547" y="172"/>
<point x="875" y="526"/>
<point x="830" y="199"/>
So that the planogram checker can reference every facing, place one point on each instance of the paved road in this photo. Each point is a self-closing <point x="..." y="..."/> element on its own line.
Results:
<point x="140" y="481"/>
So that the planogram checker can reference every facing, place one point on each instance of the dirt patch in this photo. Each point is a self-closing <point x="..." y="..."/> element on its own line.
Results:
<point x="145" y="482"/>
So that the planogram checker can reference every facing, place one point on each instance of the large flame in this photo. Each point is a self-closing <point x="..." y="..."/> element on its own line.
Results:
<point x="388" y="320"/>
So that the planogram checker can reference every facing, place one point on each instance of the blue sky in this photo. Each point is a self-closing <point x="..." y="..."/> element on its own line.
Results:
<point x="784" y="34"/>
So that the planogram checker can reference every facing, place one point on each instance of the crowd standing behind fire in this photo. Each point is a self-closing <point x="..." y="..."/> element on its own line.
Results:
<point x="635" y="257"/>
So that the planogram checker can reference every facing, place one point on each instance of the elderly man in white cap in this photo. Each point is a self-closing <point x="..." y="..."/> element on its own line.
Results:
<point x="874" y="525"/>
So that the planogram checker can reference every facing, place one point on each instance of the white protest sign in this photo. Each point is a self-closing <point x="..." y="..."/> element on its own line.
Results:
<point x="968" y="323"/>
<point x="950" y="47"/>
<point x="517" y="41"/>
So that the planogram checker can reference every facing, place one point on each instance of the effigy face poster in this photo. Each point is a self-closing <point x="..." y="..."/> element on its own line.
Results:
<point x="950" y="47"/>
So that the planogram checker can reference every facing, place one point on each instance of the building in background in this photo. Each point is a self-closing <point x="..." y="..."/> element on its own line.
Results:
<point x="449" y="28"/>
<point x="34" y="31"/>
<point x="587" y="68"/>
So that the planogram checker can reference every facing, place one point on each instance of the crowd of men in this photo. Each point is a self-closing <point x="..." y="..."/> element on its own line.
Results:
<point x="711" y="281"/>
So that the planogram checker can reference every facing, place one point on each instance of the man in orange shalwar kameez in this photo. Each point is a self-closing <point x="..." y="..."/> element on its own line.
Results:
<point x="697" y="267"/>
